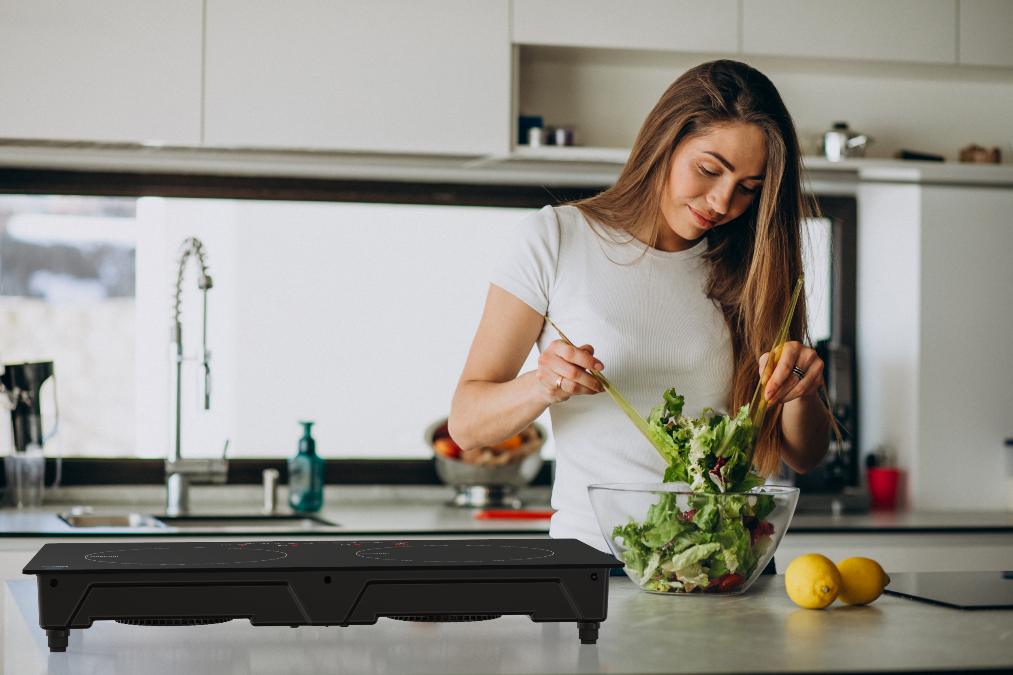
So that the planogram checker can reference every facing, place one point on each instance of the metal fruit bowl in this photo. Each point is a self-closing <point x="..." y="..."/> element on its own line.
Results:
<point x="481" y="485"/>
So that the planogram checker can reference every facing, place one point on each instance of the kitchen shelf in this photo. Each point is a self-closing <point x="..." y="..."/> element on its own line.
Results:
<point x="584" y="166"/>
<point x="855" y="169"/>
<point x="572" y="153"/>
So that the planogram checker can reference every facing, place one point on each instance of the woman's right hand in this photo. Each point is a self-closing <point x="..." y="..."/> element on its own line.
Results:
<point x="563" y="371"/>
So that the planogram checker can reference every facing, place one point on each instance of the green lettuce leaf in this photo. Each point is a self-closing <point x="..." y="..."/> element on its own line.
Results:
<point x="664" y="510"/>
<point x="763" y="506"/>
<point x="660" y="535"/>
<point x="749" y="482"/>
<point x="694" y="554"/>
<point x="706" y="518"/>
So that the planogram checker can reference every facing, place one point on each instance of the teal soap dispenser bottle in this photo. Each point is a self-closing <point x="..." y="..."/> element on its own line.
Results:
<point x="306" y="475"/>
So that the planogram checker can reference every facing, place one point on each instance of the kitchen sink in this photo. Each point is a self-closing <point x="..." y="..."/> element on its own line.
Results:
<point x="285" y="522"/>
<point x="109" y="520"/>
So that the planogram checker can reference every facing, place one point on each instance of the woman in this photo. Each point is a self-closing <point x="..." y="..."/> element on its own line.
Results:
<point x="676" y="276"/>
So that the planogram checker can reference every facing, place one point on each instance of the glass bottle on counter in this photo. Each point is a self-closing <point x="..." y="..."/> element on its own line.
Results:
<point x="306" y="475"/>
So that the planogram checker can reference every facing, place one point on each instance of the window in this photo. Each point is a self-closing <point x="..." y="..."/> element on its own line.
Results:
<point x="355" y="316"/>
<point x="67" y="296"/>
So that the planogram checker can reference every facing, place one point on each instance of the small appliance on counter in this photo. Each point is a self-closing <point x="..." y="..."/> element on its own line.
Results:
<point x="306" y="475"/>
<point x="959" y="590"/>
<point x="841" y="142"/>
<point x="24" y="469"/>
<point x="21" y="387"/>
<point x="320" y="583"/>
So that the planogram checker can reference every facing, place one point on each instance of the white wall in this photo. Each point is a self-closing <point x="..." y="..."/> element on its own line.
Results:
<point x="887" y="338"/>
<point x="935" y="316"/>
<point x="356" y="316"/>
<point x="966" y="364"/>
<point x="607" y="94"/>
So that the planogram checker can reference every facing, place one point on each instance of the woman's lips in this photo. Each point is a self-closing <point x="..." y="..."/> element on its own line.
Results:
<point x="700" y="219"/>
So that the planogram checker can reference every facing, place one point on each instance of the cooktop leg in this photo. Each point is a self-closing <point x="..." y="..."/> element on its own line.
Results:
<point x="58" y="640"/>
<point x="588" y="632"/>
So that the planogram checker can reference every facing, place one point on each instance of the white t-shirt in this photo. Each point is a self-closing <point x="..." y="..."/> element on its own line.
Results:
<point x="646" y="315"/>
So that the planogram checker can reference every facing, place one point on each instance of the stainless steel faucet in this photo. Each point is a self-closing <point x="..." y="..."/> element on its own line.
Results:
<point x="179" y="472"/>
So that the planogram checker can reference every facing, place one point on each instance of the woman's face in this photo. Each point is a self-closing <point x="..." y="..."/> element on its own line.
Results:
<point x="713" y="180"/>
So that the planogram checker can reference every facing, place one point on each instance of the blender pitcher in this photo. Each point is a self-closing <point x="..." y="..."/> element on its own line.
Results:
<point x="25" y="468"/>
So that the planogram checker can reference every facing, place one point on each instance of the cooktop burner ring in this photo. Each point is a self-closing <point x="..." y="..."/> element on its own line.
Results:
<point x="452" y="553"/>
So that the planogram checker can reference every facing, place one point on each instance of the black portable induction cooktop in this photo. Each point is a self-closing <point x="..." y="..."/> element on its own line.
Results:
<point x="960" y="590"/>
<point x="320" y="583"/>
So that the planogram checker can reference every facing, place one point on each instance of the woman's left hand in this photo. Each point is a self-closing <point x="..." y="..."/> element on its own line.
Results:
<point x="785" y="384"/>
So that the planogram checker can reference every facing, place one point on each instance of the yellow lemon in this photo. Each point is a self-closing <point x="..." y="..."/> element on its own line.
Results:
<point x="862" y="580"/>
<point x="812" y="581"/>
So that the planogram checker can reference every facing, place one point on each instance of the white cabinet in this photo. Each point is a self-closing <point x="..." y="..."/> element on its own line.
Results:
<point x="680" y="25"/>
<point x="922" y="31"/>
<point x="426" y="76"/>
<point x="115" y="70"/>
<point x="986" y="33"/>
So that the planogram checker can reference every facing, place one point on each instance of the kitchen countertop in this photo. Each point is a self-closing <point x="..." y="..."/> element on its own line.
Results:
<point x="418" y="510"/>
<point x="359" y="511"/>
<point x="760" y="631"/>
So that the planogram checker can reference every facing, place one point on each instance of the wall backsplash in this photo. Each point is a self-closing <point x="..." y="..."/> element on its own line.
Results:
<point x="358" y="317"/>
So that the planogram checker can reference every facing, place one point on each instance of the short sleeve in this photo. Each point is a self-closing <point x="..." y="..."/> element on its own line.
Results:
<point x="527" y="269"/>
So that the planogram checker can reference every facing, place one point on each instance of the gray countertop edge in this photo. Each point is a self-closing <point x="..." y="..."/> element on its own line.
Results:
<point x="412" y="511"/>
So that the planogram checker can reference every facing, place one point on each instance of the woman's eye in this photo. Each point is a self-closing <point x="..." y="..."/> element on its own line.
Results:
<point x="749" y="191"/>
<point x="706" y="172"/>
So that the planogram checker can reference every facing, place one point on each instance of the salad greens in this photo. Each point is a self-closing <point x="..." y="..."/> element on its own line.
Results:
<point x="713" y="453"/>
<point x="714" y="546"/>
<point x="716" y="543"/>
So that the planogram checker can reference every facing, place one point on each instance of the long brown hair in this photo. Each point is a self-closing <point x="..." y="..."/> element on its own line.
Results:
<point x="756" y="258"/>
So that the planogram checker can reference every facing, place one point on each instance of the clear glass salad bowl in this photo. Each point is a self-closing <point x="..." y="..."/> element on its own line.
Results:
<point x="674" y="540"/>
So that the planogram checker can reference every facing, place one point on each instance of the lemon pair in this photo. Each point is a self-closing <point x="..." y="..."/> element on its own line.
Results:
<point x="813" y="581"/>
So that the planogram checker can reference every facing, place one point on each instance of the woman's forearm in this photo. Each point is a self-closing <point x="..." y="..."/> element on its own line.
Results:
<point x="485" y="413"/>
<point x="492" y="402"/>
<point x="805" y="425"/>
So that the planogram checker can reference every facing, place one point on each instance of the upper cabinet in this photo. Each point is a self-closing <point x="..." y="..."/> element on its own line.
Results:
<point x="920" y="31"/>
<point x="426" y="76"/>
<point x="682" y="25"/>
<point x="115" y="70"/>
<point x="986" y="33"/>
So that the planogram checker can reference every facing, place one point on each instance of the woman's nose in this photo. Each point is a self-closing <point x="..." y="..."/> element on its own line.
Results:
<point x="720" y="199"/>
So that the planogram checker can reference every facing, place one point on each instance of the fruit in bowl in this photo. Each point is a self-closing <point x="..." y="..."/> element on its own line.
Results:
<point x="675" y="540"/>
<point x="514" y="449"/>
<point x="488" y="476"/>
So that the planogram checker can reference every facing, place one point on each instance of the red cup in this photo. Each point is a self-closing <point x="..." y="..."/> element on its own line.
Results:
<point x="883" y="483"/>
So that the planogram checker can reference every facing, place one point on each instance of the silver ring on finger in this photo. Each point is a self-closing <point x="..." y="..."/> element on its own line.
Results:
<point x="559" y="382"/>
<point x="798" y="371"/>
